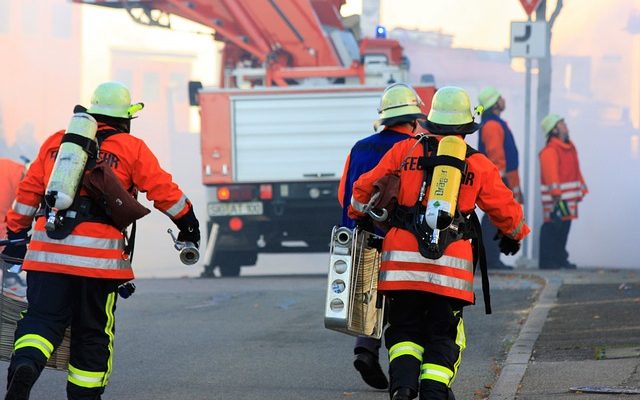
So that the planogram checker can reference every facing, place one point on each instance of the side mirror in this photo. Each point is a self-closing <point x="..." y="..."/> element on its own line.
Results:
<point x="194" y="88"/>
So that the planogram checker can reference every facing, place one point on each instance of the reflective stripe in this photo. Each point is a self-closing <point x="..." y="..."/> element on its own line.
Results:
<point x="436" y="373"/>
<point x="516" y="231"/>
<point x="357" y="205"/>
<point x="416" y="257"/>
<point x="461" y="341"/>
<point x="176" y="208"/>
<point x="24" y="209"/>
<point x="429" y="277"/>
<point x="37" y="341"/>
<point x="86" y="379"/>
<point x="81" y="241"/>
<point x="563" y="186"/>
<point x="109" y="330"/>
<point x="406" y="349"/>
<point x="76" y="261"/>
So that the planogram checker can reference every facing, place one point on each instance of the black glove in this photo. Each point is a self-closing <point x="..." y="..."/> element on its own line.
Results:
<point x="189" y="228"/>
<point x="507" y="245"/>
<point x="16" y="251"/>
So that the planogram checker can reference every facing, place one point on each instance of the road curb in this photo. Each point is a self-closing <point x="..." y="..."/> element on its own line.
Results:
<point x="517" y="360"/>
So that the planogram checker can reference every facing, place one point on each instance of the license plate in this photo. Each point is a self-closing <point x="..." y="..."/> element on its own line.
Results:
<point x="230" y="209"/>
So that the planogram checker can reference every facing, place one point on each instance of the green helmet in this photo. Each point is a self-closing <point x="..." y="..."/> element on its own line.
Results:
<point x="488" y="97"/>
<point x="399" y="100"/>
<point x="113" y="99"/>
<point x="451" y="113"/>
<point x="549" y="122"/>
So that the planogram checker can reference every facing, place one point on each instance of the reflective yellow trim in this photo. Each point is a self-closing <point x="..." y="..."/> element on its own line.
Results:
<point x="461" y="341"/>
<point x="406" y="349"/>
<point x="86" y="379"/>
<point x="37" y="341"/>
<point x="436" y="373"/>
<point x="111" y="300"/>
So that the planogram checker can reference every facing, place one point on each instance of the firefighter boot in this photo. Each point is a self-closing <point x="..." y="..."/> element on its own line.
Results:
<point x="432" y="390"/>
<point x="369" y="367"/>
<point x="21" y="380"/>
<point x="404" y="393"/>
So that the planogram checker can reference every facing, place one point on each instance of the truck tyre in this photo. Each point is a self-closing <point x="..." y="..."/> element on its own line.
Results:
<point x="207" y="272"/>
<point x="229" y="270"/>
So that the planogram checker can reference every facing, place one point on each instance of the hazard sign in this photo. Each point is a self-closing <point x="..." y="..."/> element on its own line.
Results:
<point x="530" y="5"/>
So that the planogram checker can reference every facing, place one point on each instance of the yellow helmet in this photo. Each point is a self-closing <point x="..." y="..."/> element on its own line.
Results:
<point x="488" y="97"/>
<point x="399" y="100"/>
<point x="113" y="99"/>
<point x="451" y="113"/>
<point x="549" y="122"/>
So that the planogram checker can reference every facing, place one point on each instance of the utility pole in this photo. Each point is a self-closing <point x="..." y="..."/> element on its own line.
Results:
<point x="542" y="109"/>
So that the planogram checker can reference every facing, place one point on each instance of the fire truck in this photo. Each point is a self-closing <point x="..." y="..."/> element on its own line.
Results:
<point x="296" y="91"/>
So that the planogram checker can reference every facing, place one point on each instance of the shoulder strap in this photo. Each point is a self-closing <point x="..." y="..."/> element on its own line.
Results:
<point x="479" y="256"/>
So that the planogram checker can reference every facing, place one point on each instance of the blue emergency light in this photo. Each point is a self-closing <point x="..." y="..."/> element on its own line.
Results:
<point x="381" y="32"/>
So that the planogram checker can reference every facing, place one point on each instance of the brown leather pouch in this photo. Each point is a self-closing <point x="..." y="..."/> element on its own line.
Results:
<point x="104" y="187"/>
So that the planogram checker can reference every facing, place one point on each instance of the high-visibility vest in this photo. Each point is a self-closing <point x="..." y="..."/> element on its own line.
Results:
<point x="403" y="267"/>
<point x="560" y="177"/>
<point x="92" y="249"/>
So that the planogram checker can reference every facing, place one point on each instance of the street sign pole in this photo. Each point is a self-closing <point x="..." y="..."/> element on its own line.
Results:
<point x="527" y="258"/>
<point x="528" y="187"/>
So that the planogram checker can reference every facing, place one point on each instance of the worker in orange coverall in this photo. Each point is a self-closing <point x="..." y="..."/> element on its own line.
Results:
<point x="562" y="187"/>
<point x="497" y="142"/>
<point x="426" y="293"/>
<point x="75" y="264"/>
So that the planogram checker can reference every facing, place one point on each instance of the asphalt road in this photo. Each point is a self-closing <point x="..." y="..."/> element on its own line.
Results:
<point x="262" y="337"/>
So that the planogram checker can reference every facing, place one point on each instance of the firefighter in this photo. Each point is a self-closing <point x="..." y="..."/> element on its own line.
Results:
<point x="497" y="143"/>
<point x="11" y="173"/>
<point x="73" y="281"/>
<point x="562" y="187"/>
<point x="427" y="291"/>
<point x="399" y="111"/>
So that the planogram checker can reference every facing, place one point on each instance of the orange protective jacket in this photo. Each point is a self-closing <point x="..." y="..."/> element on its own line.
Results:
<point x="561" y="178"/>
<point x="11" y="173"/>
<point x="493" y="140"/>
<point x="92" y="249"/>
<point x="403" y="267"/>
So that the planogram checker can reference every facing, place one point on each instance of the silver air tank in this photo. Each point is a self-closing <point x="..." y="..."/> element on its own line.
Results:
<point x="69" y="166"/>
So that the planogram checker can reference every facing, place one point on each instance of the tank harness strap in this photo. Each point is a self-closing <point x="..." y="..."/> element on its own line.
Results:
<point x="479" y="256"/>
<point x="88" y="145"/>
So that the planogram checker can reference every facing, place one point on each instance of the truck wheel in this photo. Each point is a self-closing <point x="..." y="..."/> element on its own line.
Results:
<point x="207" y="272"/>
<point x="229" y="270"/>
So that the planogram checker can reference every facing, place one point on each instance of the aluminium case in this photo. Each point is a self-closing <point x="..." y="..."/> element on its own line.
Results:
<point x="353" y="304"/>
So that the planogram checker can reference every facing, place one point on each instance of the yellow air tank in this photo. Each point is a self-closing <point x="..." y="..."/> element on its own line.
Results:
<point x="70" y="162"/>
<point x="445" y="185"/>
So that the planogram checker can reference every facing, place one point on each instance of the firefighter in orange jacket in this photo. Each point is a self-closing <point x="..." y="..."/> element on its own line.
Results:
<point x="562" y="187"/>
<point x="11" y="173"/>
<point x="72" y="281"/>
<point x="427" y="291"/>
<point x="497" y="142"/>
<point x="399" y="114"/>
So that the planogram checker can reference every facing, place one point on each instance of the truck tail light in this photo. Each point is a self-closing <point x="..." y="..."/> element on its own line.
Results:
<point x="235" y="224"/>
<point x="223" y="193"/>
<point x="266" y="192"/>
